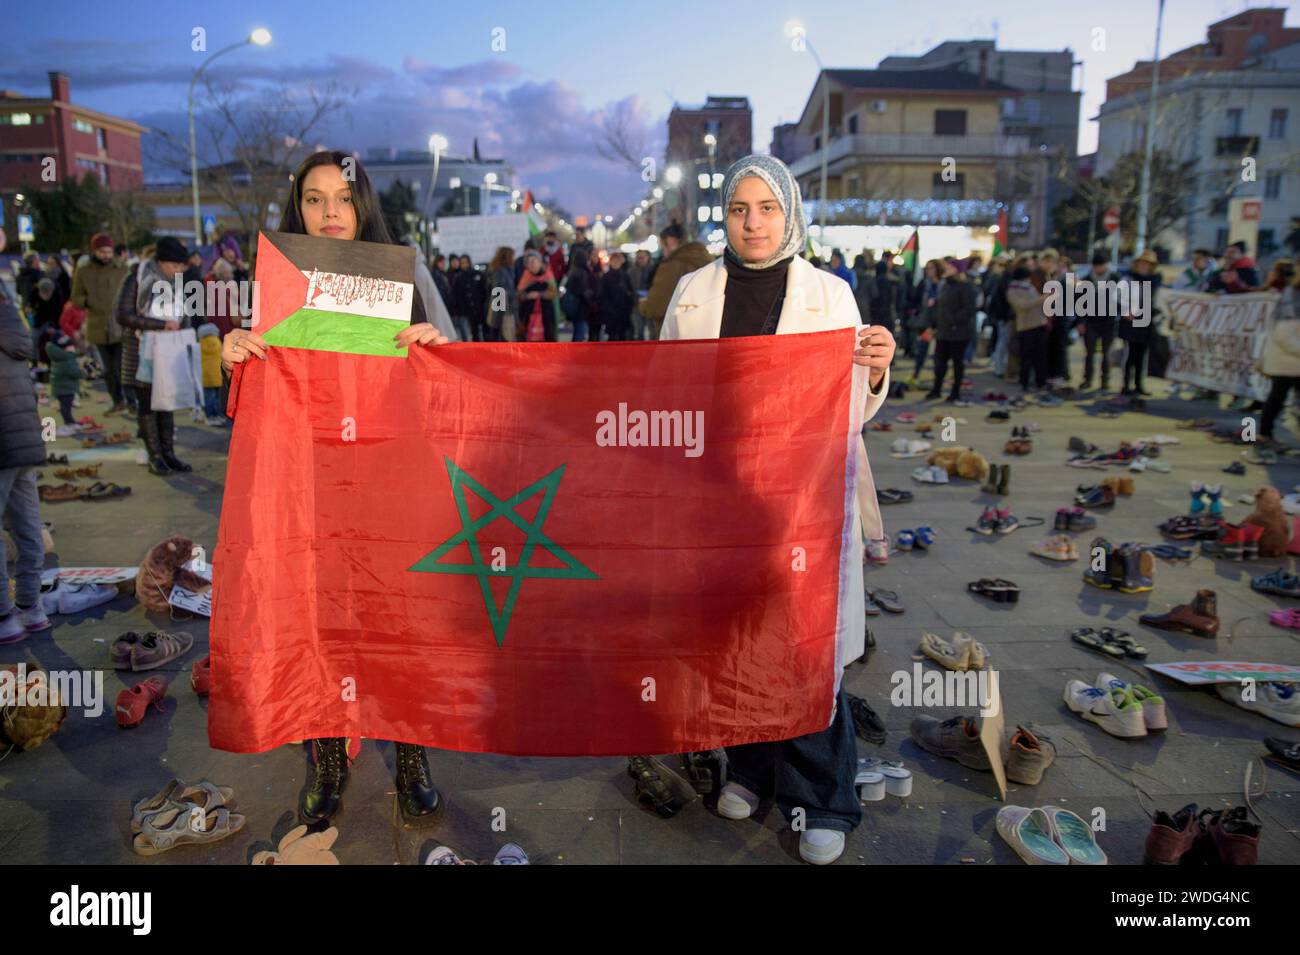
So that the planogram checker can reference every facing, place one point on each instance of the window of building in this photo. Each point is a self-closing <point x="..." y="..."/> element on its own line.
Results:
<point x="81" y="126"/>
<point x="943" y="189"/>
<point x="1220" y="238"/>
<point x="1267" y="242"/>
<point x="1273" y="185"/>
<point x="16" y="119"/>
<point x="1033" y="109"/>
<point x="1219" y="207"/>
<point x="1234" y="122"/>
<point x="817" y="141"/>
<point x="1277" y="124"/>
<point x="102" y="138"/>
<point x="950" y="122"/>
<point x="853" y="125"/>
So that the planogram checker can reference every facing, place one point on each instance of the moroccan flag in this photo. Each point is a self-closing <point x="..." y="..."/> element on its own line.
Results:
<point x="911" y="249"/>
<point x="537" y="549"/>
<point x="1000" y="239"/>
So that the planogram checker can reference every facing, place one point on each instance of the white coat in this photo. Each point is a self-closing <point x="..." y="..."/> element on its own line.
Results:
<point x="815" y="301"/>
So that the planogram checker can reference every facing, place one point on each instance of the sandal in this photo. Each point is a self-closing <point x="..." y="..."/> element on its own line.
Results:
<point x="1125" y="641"/>
<point x="177" y="825"/>
<point x="1279" y="582"/>
<point x="1289" y="618"/>
<point x="996" y="589"/>
<point x="892" y="495"/>
<point x="99" y="491"/>
<point x="208" y="796"/>
<point x="876" y="776"/>
<point x="1169" y="551"/>
<point x="887" y="600"/>
<point x="1088" y="637"/>
<point x="59" y="492"/>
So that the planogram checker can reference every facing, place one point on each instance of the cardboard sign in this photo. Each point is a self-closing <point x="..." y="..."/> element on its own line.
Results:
<point x="1209" y="672"/>
<point x="479" y="237"/>
<point x="1217" y="341"/>
<point x="90" y="575"/>
<point x="992" y="734"/>
<point x="183" y="599"/>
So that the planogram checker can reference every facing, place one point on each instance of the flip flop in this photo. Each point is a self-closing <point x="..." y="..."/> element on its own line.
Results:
<point x="887" y="600"/>
<point x="892" y="495"/>
<point x="1088" y="637"/>
<point x="1124" y="640"/>
<point x="1289" y="618"/>
<point x="996" y="589"/>
<point x="99" y="491"/>
<point x="1170" y="552"/>
<point x="872" y="608"/>
<point x="59" y="492"/>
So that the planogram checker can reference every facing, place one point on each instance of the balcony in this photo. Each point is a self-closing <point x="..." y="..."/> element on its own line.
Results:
<point x="849" y="151"/>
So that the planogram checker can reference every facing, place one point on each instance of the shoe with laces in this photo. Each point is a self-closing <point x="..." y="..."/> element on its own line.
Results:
<point x="736" y="802"/>
<point x="1228" y="837"/>
<point x="988" y="522"/>
<point x="877" y="551"/>
<point x="1172" y="838"/>
<point x="33" y="618"/>
<point x="1115" y="711"/>
<point x="1279" y="702"/>
<point x="1029" y="756"/>
<point x="1153" y="706"/>
<point x="133" y="703"/>
<point x="1006" y="521"/>
<point x="925" y="537"/>
<point x="957" y="738"/>
<point x="821" y="846"/>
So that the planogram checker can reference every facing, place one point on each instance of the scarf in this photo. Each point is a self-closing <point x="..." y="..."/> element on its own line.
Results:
<point x="777" y="176"/>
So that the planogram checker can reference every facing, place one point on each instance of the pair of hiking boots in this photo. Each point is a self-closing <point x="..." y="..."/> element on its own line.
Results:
<point x="999" y="480"/>
<point x="1210" y="837"/>
<point x="417" y="797"/>
<point x="666" y="792"/>
<point x="1127" y="568"/>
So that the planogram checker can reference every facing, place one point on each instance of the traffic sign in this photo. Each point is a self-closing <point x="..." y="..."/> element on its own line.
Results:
<point x="1110" y="221"/>
<point x="25" y="233"/>
<point x="209" y="225"/>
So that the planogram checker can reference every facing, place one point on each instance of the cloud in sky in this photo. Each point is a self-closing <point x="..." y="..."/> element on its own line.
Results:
<point x="542" y="128"/>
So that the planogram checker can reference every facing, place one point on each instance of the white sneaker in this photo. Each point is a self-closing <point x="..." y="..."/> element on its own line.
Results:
<point x="74" y="598"/>
<point x="33" y="618"/>
<point x="50" y="596"/>
<point x="736" y="802"/>
<point x="67" y="430"/>
<point x="12" y="629"/>
<point x="1114" y="710"/>
<point x="1278" y="701"/>
<point x="821" y="846"/>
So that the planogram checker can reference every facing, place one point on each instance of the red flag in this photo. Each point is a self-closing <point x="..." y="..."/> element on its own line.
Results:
<point x="537" y="549"/>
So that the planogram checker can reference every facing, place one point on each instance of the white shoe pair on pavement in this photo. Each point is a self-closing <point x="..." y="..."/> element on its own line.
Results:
<point x="818" y="846"/>
<point x="74" y="598"/>
<point x="19" y="623"/>
<point x="1277" y="701"/>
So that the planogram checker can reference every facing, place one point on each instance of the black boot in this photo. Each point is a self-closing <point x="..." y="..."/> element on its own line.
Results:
<point x="166" y="433"/>
<point x="416" y="794"/>
<point x="153" y="444"/>
<point x="325" y="798"/>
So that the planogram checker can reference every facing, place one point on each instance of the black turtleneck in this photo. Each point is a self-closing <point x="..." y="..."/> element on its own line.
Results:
<point x="753" y="298"/>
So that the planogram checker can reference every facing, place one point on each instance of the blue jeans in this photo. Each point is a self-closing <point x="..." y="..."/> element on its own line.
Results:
<point x="814" y="773"/>
<point x="20" y="506"/>
<point x="211" y="408"/>
<point x="579" y="331"/>
<point x="1003" y="346"/>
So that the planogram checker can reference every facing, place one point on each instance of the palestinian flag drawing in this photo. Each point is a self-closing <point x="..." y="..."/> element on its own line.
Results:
<point x="911" y="249"/>
<point x="1000" y="237"/>
<point x="330" y="295"/>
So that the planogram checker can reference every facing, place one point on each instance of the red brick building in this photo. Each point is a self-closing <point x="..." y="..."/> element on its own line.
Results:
<point x="82" y="141"/>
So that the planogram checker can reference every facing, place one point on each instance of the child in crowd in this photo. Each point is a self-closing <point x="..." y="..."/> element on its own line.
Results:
<point x="65" y="378"/>
<point x="210" y="351"/>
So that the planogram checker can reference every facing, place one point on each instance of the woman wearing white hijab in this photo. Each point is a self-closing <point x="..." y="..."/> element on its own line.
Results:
<point x="760" y="287"/>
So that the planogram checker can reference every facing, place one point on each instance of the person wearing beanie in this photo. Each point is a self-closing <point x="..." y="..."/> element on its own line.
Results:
<point x="94" y="289"/>
<point x="65" y="378"/>
<point x="210" y="350"/>
<point x="137" y="311"/>
<point x="761" y="286"/>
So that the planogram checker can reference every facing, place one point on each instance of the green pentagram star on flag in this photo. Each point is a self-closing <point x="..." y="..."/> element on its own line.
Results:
<point x="468" y="534"/>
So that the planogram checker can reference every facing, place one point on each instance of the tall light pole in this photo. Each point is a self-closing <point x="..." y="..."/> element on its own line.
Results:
<point x="259" y="37"/>
<point x="796" y="30"/>
<point x="1144" y="195"/>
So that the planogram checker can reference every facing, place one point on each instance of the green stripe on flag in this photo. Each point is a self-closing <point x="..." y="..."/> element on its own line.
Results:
<point x="337" y="331"/>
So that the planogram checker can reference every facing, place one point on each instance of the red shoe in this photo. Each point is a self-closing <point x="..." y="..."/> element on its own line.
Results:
<point x="133" y="703"/>
<point x="89" y="424"/>
<point x="1251" y="534"/>
<point x="201" y="677"/>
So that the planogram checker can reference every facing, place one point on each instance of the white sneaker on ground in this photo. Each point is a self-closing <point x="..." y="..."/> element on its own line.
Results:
<point x="821" y="846"/>
<point x="74" y="598"/>
<point x="67" y="430"/>
<point x="1114" y="710"/>
<point x="1277" y="701"/>
<point x="736" y="802"/>
<point x="33" y="618"/>
<point x="12" y="629"/>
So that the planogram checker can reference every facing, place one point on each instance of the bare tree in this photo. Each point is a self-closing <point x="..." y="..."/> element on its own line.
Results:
<point x="254" y="144"/>
<point x="621" y="138"/>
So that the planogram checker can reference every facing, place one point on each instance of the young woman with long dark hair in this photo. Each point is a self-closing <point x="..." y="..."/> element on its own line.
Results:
<point x="324" y="202"/>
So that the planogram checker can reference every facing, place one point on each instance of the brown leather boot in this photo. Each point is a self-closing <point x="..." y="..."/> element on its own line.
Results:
<point x="1172" y="838"/>
<point x="1199" y="618"/>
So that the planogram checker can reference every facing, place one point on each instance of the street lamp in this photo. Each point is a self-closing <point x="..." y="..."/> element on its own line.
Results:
<point x="796" y="29"/>
<point x="259" y="37"/>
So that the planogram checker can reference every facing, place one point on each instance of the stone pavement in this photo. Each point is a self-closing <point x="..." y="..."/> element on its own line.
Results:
<point x="69" y="801"/>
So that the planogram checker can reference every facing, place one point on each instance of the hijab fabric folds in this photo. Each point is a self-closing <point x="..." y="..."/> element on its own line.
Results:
<point x="778" y="178"/>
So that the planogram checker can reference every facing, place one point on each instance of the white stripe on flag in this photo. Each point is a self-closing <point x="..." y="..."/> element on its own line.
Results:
<point x="359" y="295"/>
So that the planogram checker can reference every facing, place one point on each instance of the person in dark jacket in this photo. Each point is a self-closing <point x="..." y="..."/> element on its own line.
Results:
<point x="21" y="452"/>
<point x="888" y="288"/>
<point x="469" y="298"/>
<point x="139" y="310"/>
<point x="954" y="327"/>
<point x="503" y="302"/>
<point x="1238" y="274"/>
<point x="45" y="304"/>
<point x="1098" y="329"/>
<point x="864" y="287"/>
<point x="579" y="293"/>
<point x="920" y="320"/>
<point x="28" y="276"/>
<point x="56" y="271"/>
<point x="617" y="299"/>
<point x="440" y="282"/>
<point x="1137" y="331"/>
<point x="65" y="375"/>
